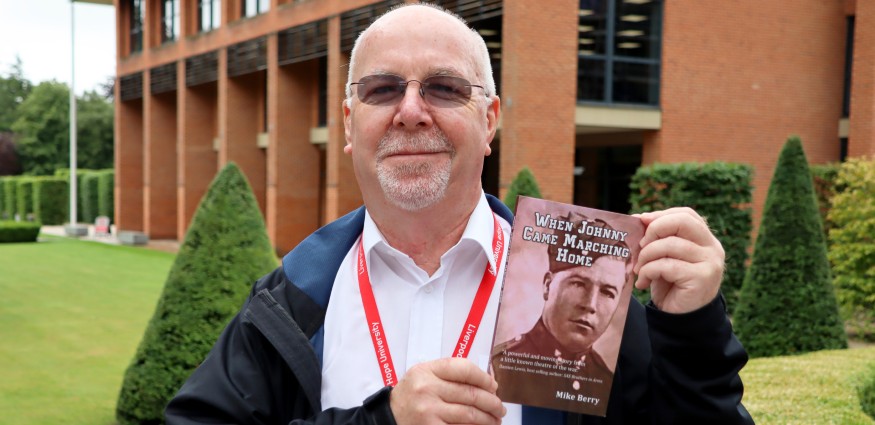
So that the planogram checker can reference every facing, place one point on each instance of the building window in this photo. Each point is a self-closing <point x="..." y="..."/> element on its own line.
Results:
<point x="619" y="45"/>
<point x="138" y="11"/>
<point x="209" y="14"/>
<point x="849" y="62"/>
<point x="170" y="21"/>
<point x="254" y="7"/>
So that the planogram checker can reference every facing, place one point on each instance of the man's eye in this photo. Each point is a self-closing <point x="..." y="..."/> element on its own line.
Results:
<point x="383" y="89"/>
<point x="609" y="295"/>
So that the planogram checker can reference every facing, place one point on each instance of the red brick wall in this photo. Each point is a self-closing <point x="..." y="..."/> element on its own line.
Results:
<point x="539" y="74"/>
<point x="739" y="77"/>
<point x="861" y="139"/>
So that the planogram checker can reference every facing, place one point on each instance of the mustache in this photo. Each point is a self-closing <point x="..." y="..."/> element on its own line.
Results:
<point x="400" y="142"/>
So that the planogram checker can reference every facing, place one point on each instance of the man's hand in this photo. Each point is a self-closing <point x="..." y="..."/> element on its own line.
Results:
<point x="446" y="391"/>
<point x="680" y="260"/>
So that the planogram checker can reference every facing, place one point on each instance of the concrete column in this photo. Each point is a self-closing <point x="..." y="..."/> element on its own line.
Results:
<point x="341" y="192"/>
<point x="293" y="163"/>
<point x="538" y="128"/>
<point x="196" y="129"/>
<point x="159" y="160"/>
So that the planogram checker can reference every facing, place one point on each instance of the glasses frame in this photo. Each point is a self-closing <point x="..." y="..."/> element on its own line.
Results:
<point x="431" y="99"/>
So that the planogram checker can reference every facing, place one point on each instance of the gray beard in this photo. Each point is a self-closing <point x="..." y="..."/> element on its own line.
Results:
<point x="414" y="186"/>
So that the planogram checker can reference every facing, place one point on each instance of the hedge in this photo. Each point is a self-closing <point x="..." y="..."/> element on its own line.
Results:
<point x="88" y="195"/>
<point x="866" y="392"/>
<point x="719" y="191"/>
<point x="225" y="250"/>
<point x="24" y="201"/>
<point x="6" y="206"/>
<point x="824" y="178"/>
<point x="18" y="231"/>
<point x="80" y="175"/>
<point x="787" y="304"/>
<point x="10" y="197"/>
<point x="106" y="193"/>
<point x="51" y="201"/>
<point x="852" y="251"/>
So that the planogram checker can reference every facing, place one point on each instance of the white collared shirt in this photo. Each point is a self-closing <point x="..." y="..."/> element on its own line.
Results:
<point x="422" y="315"/>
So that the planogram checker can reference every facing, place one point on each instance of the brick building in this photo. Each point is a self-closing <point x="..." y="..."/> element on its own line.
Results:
<point x="590" y="89"/>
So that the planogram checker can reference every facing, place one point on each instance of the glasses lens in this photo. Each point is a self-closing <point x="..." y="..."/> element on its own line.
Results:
<point x="380" y="89"/>
<point x="445" y="91"/>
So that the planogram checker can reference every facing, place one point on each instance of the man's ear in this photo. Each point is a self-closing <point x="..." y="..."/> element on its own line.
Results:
<point x="493" y="114"/>
<point x="347" y="126"/>
<point x="548" y="279"/>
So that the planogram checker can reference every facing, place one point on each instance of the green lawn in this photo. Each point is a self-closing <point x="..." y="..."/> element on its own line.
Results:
<point x="815" y="388"/>
<point x="71" y="316"/>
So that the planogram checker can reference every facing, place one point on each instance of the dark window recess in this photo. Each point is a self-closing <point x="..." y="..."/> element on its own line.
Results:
<point x="131" y="87"/>
<point x="303" y="42"/>
<point x="162" y="79"/>
<point x="843" y="149"/>
<point x="619" y="50"/>
<point x="473" y="10"/>
<point x="253" y="7"/>
<point x="202" y="69"/>
<point x="608" y="184"/>
<point x="209" y="15"/>
<point x="323" y="92"/>
<point x="352" y="23"/>
<point x="849" y="62"/>
<point x="169" y="21"/>
<point x="247" y="57"/>
<point x="138" y="11"/>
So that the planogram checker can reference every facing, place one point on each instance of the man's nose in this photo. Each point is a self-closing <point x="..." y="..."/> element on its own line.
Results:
<point x="413" y="112"/>
<point x="588" y="300"/>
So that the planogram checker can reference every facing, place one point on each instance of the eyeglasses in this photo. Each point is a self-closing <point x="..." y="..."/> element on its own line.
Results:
<point x="441" y="91"/>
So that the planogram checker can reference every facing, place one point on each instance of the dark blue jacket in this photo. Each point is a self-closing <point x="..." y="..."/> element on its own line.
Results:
<point x="266" y="366"/>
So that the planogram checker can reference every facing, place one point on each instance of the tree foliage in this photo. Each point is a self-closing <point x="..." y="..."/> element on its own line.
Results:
<point x="14" y="89"/>
<point x="43" y="130"/>
<point x="787" y="304"/>
<point x="225" y="250"/>
<point x="852" y="237"/>
<point x="524" y="184"/>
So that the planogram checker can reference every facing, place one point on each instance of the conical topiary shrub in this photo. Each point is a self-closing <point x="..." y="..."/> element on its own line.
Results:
<point x="787" y="304"/>
<point x="225" y="250"/>
<point x="523" y="184"/>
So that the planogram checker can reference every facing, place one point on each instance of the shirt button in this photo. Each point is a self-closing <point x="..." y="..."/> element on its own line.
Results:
<point x="428" y="289"/>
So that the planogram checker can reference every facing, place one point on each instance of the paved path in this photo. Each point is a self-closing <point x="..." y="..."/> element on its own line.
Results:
<point x="166" y="245"/>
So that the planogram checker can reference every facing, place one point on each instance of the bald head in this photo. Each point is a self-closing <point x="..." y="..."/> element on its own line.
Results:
<point x="430" y="16"/>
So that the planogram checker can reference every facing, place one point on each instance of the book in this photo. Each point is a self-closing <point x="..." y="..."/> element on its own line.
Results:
<point x="567" y="287"/>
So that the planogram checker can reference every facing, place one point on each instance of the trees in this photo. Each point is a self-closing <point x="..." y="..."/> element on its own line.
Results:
<point x="523" y="184"/>
<point x="42" y="127"/>
<point x="14" y="89"/>
<point x="787" y="304"/>
<point x="225" y="250"/>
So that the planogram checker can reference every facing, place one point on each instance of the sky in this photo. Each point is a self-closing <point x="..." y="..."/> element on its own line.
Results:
<point x="38" y="31"/>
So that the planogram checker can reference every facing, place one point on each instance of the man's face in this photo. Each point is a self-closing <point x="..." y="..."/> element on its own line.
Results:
<point x="581" y="301"/>
<point x="412" y="154"/>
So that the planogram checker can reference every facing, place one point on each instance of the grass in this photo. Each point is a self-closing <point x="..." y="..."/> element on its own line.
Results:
<point x="815" y="388"/>
<point x="71" y="316"/>
<point x="73" y="312"/>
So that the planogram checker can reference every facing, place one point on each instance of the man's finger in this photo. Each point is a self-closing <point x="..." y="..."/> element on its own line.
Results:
<point x="462" y="414"/>
<point x="682" y="225"/>
<point x="463" y="371"/>
<point x="468" y="395"/>
<point x="671" y="247"/>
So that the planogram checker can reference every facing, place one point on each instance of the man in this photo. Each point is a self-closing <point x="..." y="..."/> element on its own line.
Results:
<point x="579" y="304"/>
<point x="380" y="297"/>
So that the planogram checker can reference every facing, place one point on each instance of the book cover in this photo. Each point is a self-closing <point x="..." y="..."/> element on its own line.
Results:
<point x="567" y="287"/>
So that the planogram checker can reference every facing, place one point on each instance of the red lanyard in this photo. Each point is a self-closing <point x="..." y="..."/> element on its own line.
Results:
<point x="469" y="331"/>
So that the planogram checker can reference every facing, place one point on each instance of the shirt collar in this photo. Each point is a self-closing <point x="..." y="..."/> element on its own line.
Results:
<point x="479" y="230"/>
